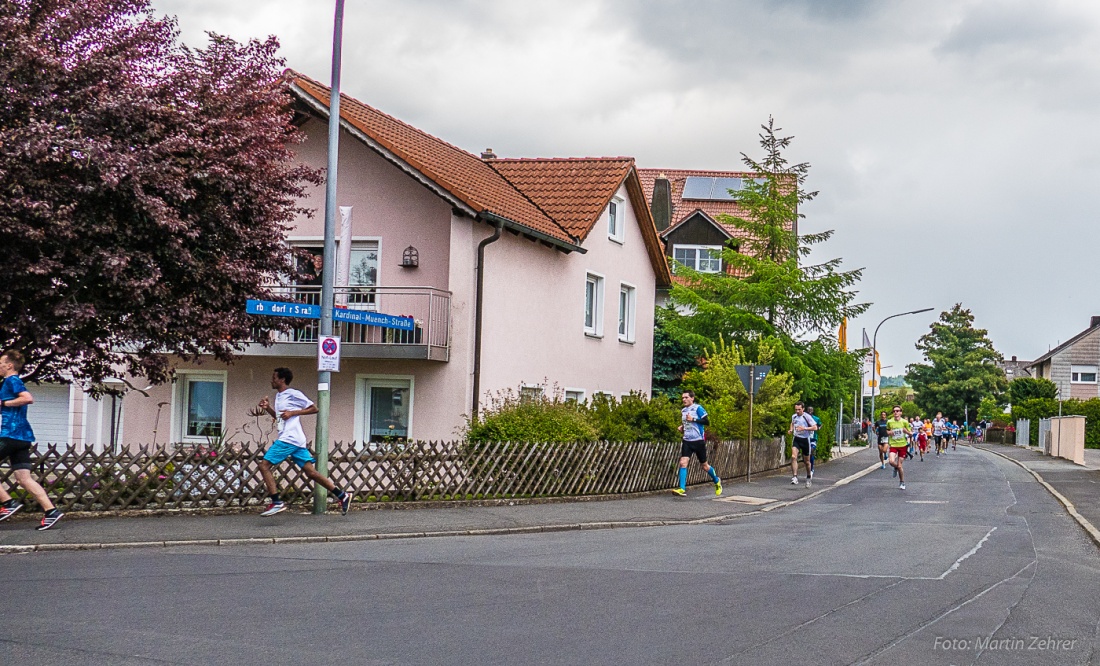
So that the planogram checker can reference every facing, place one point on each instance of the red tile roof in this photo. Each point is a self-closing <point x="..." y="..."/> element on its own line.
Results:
<point x="682" y="208"/>
<point x="560" y="199"/>
<point x="463" y="175"/>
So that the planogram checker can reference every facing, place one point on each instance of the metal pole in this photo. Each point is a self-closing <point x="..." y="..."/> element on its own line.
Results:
<point x="874" y="352"/>
<point x="752" y="386"/>
<point x="328" y="269"/>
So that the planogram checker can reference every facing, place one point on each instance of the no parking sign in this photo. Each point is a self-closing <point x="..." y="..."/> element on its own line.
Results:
<point x="328" y="354"/>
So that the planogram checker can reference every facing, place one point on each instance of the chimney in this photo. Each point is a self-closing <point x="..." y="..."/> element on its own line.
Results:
<point x="1094" y="322"/>
<point x="661" y="205"/>
<point x="488" y="154"/>
<point x="1013" y="359"/>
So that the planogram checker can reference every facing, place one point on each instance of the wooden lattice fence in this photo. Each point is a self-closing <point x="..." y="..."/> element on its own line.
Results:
<point x="168" y="477"/>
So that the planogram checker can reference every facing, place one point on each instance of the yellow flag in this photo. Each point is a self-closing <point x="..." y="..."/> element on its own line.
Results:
<point x="843" y="337"/>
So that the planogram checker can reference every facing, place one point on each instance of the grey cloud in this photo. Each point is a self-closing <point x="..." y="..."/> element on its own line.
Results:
<point x="1036" y="28"/>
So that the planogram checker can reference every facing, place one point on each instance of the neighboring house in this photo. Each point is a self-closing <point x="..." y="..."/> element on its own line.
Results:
<point x="1014" y="369"/>
<point x="687" y="205"/>
<point x="1073" y="365"/>
<point x="572" y="261"/>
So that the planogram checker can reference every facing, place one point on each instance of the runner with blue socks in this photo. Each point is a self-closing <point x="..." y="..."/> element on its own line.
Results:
<point x="693" y="420"/>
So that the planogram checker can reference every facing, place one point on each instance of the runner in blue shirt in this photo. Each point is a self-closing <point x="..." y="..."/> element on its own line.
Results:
<point x="693" y="420"/>
<point x="16" y="438"/>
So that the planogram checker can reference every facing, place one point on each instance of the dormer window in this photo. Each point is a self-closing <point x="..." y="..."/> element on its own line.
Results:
<point x="615" y="225"/>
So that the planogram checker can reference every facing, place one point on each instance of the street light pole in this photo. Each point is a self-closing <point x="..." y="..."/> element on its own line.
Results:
<point x="328" y="268"/>
<point x="874" y="351"/>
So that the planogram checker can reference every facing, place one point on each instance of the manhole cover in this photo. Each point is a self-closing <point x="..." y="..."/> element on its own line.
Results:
<point x="744" y="499"/>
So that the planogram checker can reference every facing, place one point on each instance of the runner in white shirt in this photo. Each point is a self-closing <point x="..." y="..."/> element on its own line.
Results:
<point x="939" y="427"/>
<point x="290" y="406"/>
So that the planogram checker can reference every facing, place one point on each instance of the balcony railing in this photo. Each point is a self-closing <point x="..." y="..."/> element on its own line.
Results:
<point x="430" y="309"/>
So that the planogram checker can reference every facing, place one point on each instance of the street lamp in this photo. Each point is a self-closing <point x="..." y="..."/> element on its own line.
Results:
<point x="874" y="351"/>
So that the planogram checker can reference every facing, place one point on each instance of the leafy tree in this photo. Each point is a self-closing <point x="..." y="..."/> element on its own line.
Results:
<point x="671" y="358"/>
<point x="1026" y="388"/>
<point x="766" y="292"/>
<point x="961" y="368"/>
<point x="147" y="188"/>
<point x="719" y="389"/>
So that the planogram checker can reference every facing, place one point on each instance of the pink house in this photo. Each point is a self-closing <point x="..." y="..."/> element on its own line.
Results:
<point x="571" y="263"/>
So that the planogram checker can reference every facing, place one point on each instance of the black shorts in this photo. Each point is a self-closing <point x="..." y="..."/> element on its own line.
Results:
<point x="938" y="438"/>
<point x="696" y="447"/>
<point x="17" y="452"/>
<point x="803" y="445"/>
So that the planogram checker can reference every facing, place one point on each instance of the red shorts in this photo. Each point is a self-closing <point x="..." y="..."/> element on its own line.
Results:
<point x="899" y="451"/>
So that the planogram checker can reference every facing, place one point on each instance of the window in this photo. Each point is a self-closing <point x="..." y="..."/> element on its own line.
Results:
<point x="615" y="226"/>
<point x="574" y="395"/>
<point x="1082" y="374"/>
<point x="703" y="258"/>
<point x="530" y="393"/>
<point x="201" y="400"/>
<point x="593" y="305"/>
<point x="387" y="404"/>
<point x="362" y="274"/>
<point x="627" y="304"/>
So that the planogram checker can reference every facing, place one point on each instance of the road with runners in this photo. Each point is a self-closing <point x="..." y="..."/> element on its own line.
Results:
<point x="974" y="563"/>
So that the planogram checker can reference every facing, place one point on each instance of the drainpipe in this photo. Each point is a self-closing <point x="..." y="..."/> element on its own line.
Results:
<point x="499" y="225"/>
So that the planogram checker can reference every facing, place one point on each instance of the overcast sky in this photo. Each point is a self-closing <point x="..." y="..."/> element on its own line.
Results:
<point x="954" y="142"/>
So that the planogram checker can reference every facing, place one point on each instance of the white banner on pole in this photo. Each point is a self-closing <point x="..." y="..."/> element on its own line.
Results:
<point x="343" y="254"/>
<point x="871" y="370"/>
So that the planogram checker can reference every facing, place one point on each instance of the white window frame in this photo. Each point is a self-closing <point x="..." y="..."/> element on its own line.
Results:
<point x="531" y="391"/>
<point x="627" y="319"/>
<point x="616" y="229"/>
<point x="598" y="281"/>
<point x="609" y="394"/>
<point x="715" y="249"/>
<point x="363" y="385"/>
<point x="179" y="402"/>
<point x="1076" y="372"/>
<point x="581" y="394"/>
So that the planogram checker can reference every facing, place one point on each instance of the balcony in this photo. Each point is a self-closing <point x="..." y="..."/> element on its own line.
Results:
<point x="429" y="307"/>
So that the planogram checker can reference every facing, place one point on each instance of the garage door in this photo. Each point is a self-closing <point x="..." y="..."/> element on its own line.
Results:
<point x="49" y="415"/>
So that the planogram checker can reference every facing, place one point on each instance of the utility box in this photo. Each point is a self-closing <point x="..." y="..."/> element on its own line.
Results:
<point x="1067" y="438"/>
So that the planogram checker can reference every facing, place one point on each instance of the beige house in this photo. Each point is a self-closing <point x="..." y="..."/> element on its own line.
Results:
<point x="1073" y="365"/>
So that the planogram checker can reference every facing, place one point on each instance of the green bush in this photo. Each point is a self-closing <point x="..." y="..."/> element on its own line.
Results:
<point x="636" y="418"/>
<point x="546" y="418"/>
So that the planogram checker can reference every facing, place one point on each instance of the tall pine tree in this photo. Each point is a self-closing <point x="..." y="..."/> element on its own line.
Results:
<point x="766" y="291"/>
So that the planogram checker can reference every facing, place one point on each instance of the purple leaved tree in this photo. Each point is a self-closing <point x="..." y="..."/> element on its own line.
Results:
<point x="145" y="188"/>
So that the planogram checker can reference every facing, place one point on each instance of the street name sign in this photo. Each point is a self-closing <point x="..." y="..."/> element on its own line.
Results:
<point x="283" y="309"/>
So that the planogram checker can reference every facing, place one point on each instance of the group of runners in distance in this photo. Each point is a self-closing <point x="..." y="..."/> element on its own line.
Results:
<point x="899" y="438"/>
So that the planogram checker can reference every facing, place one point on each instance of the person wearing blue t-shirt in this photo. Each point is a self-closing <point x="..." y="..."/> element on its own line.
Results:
<point x="16" y="438"/>
<point x="693" y="420"/>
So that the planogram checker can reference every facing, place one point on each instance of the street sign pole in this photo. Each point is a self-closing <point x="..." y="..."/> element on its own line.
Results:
<point x="752" y="390"/>
<point x="328" y="270"/>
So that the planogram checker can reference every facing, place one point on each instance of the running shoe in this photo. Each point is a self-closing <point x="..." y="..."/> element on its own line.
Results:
<point x="49" y="521"/>
<point x="901" y="486"/>
<point x="345" y="503"/>
<point x="9" y="511"/>
<point x="895" y="472"/>
<point x="809" y="482"/>
<point x="883" y="466"/>
<point x="794" y="480"/>
<point x="718" y="489"/>
<point x="274" y="508"/>
<point x="679" y="491"/>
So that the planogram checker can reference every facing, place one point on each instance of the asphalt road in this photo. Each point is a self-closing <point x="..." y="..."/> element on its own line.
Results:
<point x="975" y="563"/>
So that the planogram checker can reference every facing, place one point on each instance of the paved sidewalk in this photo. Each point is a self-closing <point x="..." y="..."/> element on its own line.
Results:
<point x="1080" y="485"/>
<point x="399" y="520"/>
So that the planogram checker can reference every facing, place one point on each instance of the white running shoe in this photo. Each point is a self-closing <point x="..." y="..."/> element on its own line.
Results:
<point x="809" y="483"/>
<point x="901" y="486"/>
<point x="794" y="480"/>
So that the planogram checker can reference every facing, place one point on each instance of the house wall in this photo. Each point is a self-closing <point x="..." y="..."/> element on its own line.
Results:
<point x="1085" y="351"/>
<point x="388" y="204"/>
<point x="534" y="313"/>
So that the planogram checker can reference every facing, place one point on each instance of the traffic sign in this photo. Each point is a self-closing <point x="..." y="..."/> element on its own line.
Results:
<point x="328" y="354"/>
<point x="752" y="376"/>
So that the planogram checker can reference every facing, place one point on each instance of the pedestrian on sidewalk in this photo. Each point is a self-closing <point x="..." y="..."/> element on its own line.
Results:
<point x="802" y="427"/>
<point x="16" y="438"/>
<point x="900" y="431"/>
<point x="290" y="406"/>
<point x="693" y="422"/>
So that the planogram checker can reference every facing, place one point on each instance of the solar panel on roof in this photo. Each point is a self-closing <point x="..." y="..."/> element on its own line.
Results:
<point x="709" y="188"/>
